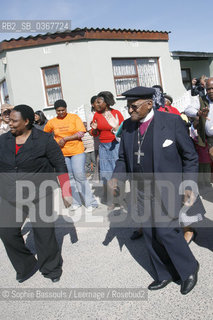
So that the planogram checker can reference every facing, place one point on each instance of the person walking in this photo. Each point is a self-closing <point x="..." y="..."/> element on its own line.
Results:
<point x="68" y="131"/>
<point x="30" y="156"/>
<point x="155" y="148"/>
<point x="108" y="147"/>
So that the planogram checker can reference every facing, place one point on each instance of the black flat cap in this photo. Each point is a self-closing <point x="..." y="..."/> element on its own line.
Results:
<point x="139" y="93"/>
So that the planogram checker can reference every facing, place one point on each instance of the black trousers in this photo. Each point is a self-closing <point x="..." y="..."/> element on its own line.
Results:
<point x="49" y="258"/>
<point x="170" y="254"/>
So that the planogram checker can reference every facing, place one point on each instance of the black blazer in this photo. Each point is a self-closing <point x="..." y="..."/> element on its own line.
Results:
<point x="174" y="156"/>
<point x="39" y="159"/>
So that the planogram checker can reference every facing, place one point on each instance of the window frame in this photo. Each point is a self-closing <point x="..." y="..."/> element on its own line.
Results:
<point x="46" y="87"/>
<point x="136" y="75"/>
<point x="188" y="72"/>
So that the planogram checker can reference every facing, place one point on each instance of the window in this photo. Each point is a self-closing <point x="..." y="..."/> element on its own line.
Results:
<point x="52" y="84"/>
<point x="130" y="73"/>
<point x="4" y="96"/>
<point x="186" y="77"/>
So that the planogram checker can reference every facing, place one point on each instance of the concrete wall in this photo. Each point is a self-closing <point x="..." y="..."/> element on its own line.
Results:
<point x="197" y="68"/>
<point x="211" y="67"/>
<point x="85" y="68"/>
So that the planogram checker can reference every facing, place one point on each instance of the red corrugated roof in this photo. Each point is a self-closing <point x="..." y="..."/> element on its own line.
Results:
<point x="81" y="34"/>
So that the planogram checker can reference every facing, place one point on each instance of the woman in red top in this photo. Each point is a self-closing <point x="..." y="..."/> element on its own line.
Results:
<point x="168" y="106"/>
<point x="108" y="148"/>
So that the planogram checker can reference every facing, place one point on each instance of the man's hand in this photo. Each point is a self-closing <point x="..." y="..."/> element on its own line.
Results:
<point x="189" y="198"/>
<point x="194" y="81"/>
<point x="211" y="152"/>
<point x="203" y="113"/>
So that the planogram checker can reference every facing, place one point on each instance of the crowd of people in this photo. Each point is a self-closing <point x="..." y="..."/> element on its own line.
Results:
<point x="156" y="141"/>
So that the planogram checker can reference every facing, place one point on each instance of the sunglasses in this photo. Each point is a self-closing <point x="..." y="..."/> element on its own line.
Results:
<point x="135" y="107"/>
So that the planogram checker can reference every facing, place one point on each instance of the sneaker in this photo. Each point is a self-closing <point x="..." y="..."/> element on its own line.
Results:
<point x="111" y="207"/>
<point x="74" y="207"/>
<point x="91" y="209"/>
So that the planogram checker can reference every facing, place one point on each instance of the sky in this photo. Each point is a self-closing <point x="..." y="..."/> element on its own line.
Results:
<point x="190" y="22"/>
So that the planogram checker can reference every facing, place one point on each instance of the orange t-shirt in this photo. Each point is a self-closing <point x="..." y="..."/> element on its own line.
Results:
<point x="67" y="126"/>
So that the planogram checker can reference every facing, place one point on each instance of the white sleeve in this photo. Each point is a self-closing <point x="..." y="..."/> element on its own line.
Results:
<point x="209" y="122"/>
<point x="192" y="109"/>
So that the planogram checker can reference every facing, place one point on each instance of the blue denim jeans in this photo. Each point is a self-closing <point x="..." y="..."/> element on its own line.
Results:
<point x="78" y="181"/>
<point x="108" y="155"/>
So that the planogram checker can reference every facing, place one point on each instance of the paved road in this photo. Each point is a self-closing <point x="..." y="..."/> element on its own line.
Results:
<point x="117" y="267"/>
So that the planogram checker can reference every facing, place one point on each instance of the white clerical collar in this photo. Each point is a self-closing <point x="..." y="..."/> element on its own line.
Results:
<point x="148" y="117"/>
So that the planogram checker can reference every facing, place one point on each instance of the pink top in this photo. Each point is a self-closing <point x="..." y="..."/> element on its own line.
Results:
<point x="144" y="126"/>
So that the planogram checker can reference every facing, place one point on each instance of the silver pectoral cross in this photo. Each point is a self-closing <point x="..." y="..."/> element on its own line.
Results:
<point x="139" y="154"/>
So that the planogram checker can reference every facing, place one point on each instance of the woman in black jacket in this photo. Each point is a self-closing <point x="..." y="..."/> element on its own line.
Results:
<point x="29" y="159"/>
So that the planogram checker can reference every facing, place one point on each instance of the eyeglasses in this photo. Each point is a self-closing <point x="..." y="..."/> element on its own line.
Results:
<point x="135" y="107"/>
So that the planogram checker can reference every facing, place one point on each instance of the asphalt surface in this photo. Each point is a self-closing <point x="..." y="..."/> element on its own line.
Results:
<point x="105" y="274"/>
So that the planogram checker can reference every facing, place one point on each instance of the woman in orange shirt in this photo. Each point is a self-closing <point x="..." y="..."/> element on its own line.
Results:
<point x="68" y="130"/>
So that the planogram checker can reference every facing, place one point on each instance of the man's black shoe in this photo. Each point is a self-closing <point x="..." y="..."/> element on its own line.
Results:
<point x="156" y="285"/>
<point x="190" y="282"/>
<point x="55" y="279"/>
<point x="29" y="275"/>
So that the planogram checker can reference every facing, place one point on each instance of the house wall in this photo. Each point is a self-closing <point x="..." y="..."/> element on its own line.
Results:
<point x="85" y="68"/>
<point x="197" y="68"/>
<point x="211" y="67"/>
